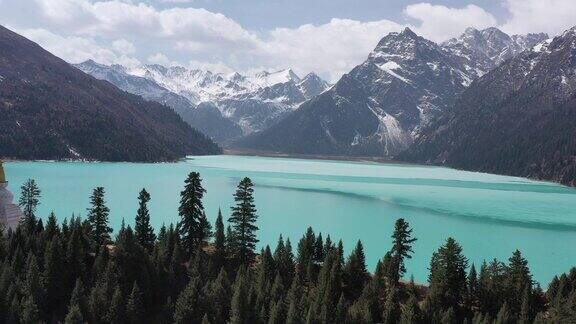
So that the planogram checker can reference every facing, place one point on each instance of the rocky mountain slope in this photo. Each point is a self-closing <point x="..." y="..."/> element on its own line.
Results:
<point x="483" y="50"/>
<point x="51" y="110"/>
<point x="245" y="104"/>
<point x="376" y="108"/>
<point x="204" y="117"/>
<point x="518" y="119"/>
<point x="380" y="106"/>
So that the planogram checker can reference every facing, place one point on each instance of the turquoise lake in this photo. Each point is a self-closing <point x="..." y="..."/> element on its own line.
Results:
<point x="489" y="215"/>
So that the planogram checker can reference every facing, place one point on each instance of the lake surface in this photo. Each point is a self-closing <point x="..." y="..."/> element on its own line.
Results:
<point x="489" y="215"/>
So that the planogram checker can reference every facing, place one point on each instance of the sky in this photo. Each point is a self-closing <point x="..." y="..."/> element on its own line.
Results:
<point x="328" y="37"/>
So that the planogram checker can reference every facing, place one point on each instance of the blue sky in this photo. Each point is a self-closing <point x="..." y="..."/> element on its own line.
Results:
<point x="329" y="37"/>
<point x="267" y="14"/>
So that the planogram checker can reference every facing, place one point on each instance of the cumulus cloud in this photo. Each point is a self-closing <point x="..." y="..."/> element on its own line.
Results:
<point x="126" y="31"/>
<point x="76" y="49"/>
<point x="529" y="16"/>
<point x="159" y="58"/>
<point x="123" y="46"/>
<point x="439" y="23"/>
<point x="332" y="48"/>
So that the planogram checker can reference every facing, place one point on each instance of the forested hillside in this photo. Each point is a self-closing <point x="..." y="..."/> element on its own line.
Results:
<point x="51" y="110"/>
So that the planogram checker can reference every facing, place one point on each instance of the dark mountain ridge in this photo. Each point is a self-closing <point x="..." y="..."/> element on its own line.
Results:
<point x="518" y="119"/>
<point x="51" y="110"/>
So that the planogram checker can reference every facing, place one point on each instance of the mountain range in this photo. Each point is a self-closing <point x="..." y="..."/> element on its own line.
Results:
<point x="223" y="106"/>
<point x="379" y="107"/>
<point x="51" y="110"/>
<point x="518" y="119"/>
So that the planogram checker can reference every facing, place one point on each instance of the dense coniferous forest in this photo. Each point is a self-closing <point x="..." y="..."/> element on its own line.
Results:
<point x="196" y="272"/>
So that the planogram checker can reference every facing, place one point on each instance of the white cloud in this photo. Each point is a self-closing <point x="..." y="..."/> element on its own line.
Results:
<point x="439" y="23"/>
<point x="119" y="31"/>
<point x="76" y="49"/>
<point x="159" y="58"/>
<point x="124" y="47"/>
<point x="217" y="67"/>
<point x="550" y="16"/>
<point x="331" y="49"/>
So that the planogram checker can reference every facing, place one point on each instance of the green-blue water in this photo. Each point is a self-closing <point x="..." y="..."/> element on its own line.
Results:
<point x="489" y="215"/>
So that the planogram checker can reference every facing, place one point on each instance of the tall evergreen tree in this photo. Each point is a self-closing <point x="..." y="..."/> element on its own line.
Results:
<point x="143" y="228"/>
<point x="29" y="200"/>
<point x="219" y="235"/>
<point x="98" y="217"/>
<point x="448" y="276"/>
<point x="191" y="211"/>
<point x="243" y="222"/>
<point x="355" y="272"/>
<point x="401" y="247"/>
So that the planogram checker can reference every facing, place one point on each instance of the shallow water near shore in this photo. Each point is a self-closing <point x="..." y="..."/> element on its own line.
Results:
<point x="489" y="215"/>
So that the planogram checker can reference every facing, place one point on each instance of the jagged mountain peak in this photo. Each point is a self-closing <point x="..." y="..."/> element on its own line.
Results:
<point x="482" y="50"/>
<point x="518" y="119"/>
<point x="407" y="32"/>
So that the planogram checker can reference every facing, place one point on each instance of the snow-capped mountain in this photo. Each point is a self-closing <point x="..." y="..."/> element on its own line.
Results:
<point x="377" y="107"/>
<point x="250" y="103"/>
<point x="381" y="105"/>
<point x="518" y="119"/>
<point x="483" y="50"/>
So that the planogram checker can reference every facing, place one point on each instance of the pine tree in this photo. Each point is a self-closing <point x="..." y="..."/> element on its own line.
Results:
<point x="294" y="300"/>
<point x="355" y="272"/>
<point x="32" y="287"/>
<point x="448" y="275"/>
<point x="191" y="211"/>
<point x="518" y="279"/>
<point x="411" y="312"/>
<point x="135" y="306"/>
<point x="187" y="308"/>
<point x="284" y="259"/>
<point x="219" y="236"/>
<point x="205" y="229"/>
<point x="220" y="296"/>
<point x="472" y="293"/>
<point x="243" y="222"/>
<point x="143" y="228"/>
<point x="29" y="200"/>
<point x="51" y="227"/>
<point x="98" y="217"/>
<point x="240" y="312"/>
<point x="52" y="278"/>
<point x="401" y="248"/>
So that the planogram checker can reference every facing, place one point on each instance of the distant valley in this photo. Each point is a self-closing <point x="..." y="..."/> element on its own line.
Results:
<point x="224" y="107"/>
